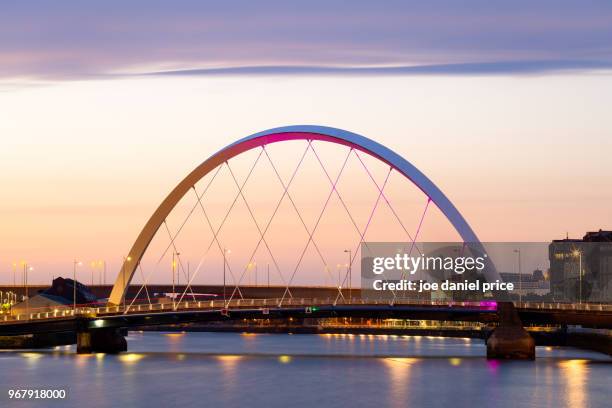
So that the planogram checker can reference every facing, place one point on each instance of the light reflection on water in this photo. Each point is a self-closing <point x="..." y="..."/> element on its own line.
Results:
<point x="231" y="369"/>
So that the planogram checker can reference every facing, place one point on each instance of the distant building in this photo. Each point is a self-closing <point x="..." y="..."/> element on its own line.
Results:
<point x="59" y="294"/>
<point x="581" y="269"/>
<point x="525" y="284"/>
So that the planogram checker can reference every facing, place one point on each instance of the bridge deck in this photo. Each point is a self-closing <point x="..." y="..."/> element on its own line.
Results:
<point x="65" y="318"/>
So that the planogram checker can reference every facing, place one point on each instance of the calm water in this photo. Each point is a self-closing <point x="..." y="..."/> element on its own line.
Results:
<point x="231" y="370"/>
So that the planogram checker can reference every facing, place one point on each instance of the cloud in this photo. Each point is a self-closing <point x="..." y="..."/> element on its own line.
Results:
<point x="483" y="68"/>
<point x="76" y="40"/>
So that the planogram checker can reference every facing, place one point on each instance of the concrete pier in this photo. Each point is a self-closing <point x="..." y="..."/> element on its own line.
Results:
<point x="510" y="340"/>
<point x="106" y="340"/>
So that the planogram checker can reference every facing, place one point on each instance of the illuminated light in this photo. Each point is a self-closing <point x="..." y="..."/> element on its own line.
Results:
<point x="180" y="357"/>
<point x="548" y="348"/>
<point x="100" y="356"/>
<point x="454" y="361"/>
<point x="284" y="359"/>
<point x="98" y="322"/>
<point x="130" y="358"/>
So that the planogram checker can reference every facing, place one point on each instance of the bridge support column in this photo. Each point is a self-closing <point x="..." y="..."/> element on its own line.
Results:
<point x="510" y="340"/>
<point x="107" y="340"/>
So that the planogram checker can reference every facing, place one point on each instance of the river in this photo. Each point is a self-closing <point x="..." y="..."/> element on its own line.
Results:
<point x="305" y="370"/>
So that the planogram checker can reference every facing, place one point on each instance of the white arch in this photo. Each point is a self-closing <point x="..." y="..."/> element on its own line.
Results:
<point x="300" y="132"/>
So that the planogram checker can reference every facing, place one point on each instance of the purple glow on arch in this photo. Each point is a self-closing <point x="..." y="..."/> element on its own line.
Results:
<point x="244" y="145"/>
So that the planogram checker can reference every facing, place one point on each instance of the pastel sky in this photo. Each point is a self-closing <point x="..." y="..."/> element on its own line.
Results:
<point x="105" y="106"/>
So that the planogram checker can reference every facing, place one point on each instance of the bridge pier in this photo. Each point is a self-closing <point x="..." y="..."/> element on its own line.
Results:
<point x="104" y="340"/>
<point x="510" y="340"/>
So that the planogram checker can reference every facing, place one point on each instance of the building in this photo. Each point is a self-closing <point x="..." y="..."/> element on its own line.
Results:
<point x="59" y="294"/>
<point x="527" y="284"/>
<point x="581" y="269"/>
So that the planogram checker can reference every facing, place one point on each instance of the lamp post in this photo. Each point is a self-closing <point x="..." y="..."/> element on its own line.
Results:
<point x="173" y="269"/>
<point x="225" y="252"/>
<point x="518" y="251"/>
<point x="74" y="268"/>
<point x="349" y="271"/>
<point x="93" y="271"/>
<point x="578" y="254"/>
<point x="24" y="279"/>
<point x="101" y="268"/>
<point x="27" y="297"/>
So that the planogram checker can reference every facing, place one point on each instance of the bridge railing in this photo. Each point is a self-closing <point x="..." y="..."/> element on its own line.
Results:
<point x="62" y="312"/>
<point x="594" y="307"/>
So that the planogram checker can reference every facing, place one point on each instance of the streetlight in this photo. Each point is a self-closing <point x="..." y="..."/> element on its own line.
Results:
<point x="27" y="297"/>
<point x="14" y="274"/>
<point x="578" y="254"/>
<point x="75" y="264"/>
<point x="173" y="271"/>
<point x="349" y="270"/>
<point x="518" y="251"/>
<point x="225" y="252"/>
<point x="251" y="266"/>
<point x="93" y="270"/>
<point x="24" y="264"/>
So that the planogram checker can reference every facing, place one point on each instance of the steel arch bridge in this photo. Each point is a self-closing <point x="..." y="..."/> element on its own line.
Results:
<point x="281" y="134"/>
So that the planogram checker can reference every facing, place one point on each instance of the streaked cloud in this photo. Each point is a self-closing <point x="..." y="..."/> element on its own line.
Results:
<point x="76" y="40"/>
<point x="485" y="68"/>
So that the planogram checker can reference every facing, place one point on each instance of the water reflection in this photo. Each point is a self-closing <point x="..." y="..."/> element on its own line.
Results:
<point x="454" y="361"/>
<point x="575" y="377"/>
<point x="130" y="358"/>
<point x="399" y="376"/>
<point x="284" y="359"/>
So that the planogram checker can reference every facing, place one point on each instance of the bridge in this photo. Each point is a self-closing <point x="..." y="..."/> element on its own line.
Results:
<point x="99" y="327"/>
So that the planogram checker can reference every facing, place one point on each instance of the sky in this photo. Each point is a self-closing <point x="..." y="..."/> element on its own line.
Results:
<point x="105" y="107"/>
